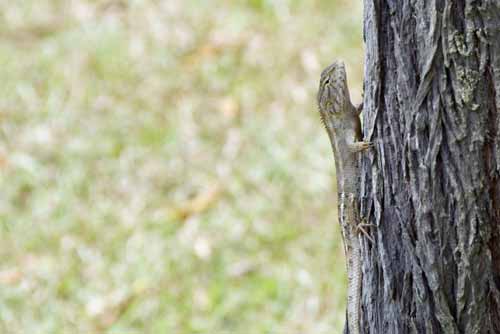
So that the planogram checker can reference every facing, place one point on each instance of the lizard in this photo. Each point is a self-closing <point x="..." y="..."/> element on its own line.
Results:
<point x="341" y="120"/>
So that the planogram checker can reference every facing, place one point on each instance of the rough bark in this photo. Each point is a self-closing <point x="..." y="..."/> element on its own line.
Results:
<point x="431" y="185"/>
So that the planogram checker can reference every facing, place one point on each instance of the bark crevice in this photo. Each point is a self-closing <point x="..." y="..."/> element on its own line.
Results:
<point x="432" y="185"/>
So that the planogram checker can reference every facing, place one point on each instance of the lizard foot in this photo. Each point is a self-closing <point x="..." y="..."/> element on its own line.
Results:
<point x="361" y="146"/>
<point x="361" y="228"/>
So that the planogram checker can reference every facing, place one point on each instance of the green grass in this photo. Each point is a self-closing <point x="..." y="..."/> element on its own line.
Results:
<point x="163" y="168"/>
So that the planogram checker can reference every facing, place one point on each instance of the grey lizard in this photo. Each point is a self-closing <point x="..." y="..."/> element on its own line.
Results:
<point x="341" y="120"/>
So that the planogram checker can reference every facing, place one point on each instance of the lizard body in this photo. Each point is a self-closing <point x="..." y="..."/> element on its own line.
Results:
<point x="341" y="120"/>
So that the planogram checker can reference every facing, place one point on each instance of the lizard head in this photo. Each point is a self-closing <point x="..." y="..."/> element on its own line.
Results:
<point x="333" y="93"/>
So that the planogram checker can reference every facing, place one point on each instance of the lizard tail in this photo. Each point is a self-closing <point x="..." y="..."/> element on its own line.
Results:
<point x="354" y="286"/>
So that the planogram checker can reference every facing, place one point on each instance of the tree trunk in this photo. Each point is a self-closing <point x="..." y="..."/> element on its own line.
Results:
<point x="431" y="184"/>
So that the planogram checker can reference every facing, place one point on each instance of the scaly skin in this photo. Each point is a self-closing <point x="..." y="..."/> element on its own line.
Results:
<point x="341" y="120"/>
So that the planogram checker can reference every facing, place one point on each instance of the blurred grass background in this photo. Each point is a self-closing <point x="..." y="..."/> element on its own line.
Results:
<point x="163" y="167"/>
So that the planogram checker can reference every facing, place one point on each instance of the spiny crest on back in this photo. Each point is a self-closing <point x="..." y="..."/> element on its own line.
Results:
<point x="332" y="93"/>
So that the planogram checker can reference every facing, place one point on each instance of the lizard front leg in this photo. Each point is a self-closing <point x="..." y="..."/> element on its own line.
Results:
<point x="355" y="146"/>
<point x="360" y="146"/>
<point x="353" y="142"/>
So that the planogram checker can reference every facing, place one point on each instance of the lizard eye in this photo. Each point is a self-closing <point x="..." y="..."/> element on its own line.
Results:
<point x="327" y="81"/>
